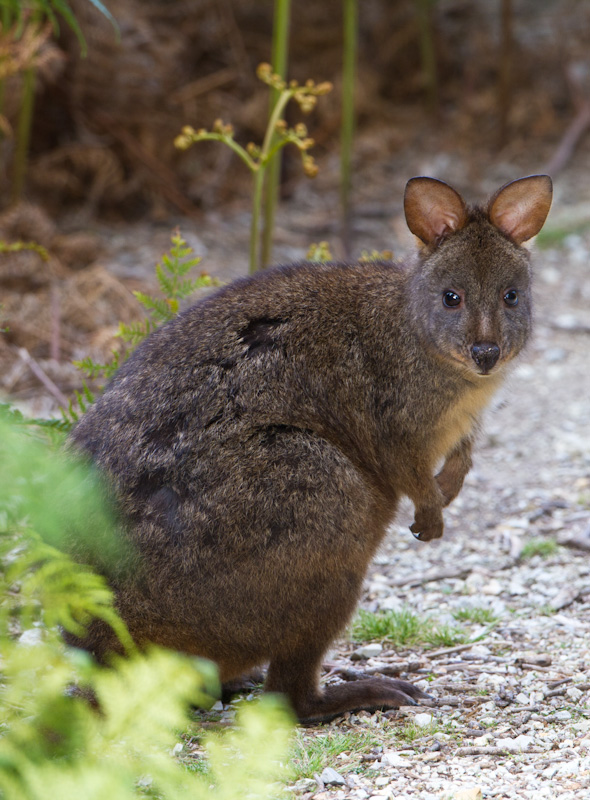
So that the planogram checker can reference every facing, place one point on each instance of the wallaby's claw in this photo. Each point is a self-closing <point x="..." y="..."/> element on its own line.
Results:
<point x="425" y="533"/>
<point x="428" y="523"/>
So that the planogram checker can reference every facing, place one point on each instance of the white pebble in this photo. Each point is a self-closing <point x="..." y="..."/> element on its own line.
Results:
<point x="368" y="650"/>
<point x="562" y="716"/>
<point x="516" y="745"/>
<point x="330" y="777"/>
<point x="391" y="759"/>
<point x="574" y="694"/>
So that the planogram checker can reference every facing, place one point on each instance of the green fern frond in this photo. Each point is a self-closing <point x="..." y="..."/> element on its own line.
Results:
<point x="92" y="368"/>
<point x="167" y="286"/>
<point x="135" y="332"/>
<point x="159" y="308"/>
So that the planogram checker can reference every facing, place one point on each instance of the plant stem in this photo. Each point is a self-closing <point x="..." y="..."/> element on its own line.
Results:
<point x="505" y="76"/>
<point x="23" y="135"/>
<point x="347" y="125"/>
<point x="427" y="52"/>
<point x="279" y="58"/>
<point x="237" y="148"/>
<point x="276" y="115"/>
<point x="268" y="155"/>
<point x="5" y="19"/>
<point x="255" y="224"/>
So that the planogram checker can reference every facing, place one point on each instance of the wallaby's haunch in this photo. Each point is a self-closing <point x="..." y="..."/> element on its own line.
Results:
<point x="260" y="442"/>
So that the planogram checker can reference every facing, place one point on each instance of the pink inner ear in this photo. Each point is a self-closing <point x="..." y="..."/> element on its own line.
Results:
<point x="433" y="209"/>
<point x="520" y="208"/>
<point x="510" y="219"/>
<point x="444" y="221"/>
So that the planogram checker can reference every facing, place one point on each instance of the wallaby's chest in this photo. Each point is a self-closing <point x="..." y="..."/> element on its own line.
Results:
<point x="461" y="416"/>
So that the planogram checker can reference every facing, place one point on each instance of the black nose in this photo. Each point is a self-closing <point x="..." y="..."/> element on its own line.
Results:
<point x="485" y="355"/>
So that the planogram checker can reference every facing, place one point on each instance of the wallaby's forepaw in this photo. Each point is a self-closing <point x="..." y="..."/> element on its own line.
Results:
<point x="427" y="525"/>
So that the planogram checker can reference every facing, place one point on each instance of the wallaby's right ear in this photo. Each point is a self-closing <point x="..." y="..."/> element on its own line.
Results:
<point x="433" y="209"/>
<point x="520" y="208"/>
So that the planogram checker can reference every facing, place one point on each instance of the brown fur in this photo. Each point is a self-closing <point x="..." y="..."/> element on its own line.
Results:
<point x="260" y="442"/>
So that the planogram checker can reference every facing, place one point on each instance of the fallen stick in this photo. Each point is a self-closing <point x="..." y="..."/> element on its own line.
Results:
<point x="38" y="372"/>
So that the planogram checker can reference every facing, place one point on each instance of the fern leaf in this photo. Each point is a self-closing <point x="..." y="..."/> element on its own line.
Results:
<point x="154" y="304"/>
<point x="166" y="283"/>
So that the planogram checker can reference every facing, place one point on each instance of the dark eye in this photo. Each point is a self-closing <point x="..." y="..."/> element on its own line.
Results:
<point x="511" y="297"/>
<point x="451" y="299"/>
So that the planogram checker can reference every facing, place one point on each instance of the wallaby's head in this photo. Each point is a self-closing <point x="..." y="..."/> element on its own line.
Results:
<point x="470" y="290"/>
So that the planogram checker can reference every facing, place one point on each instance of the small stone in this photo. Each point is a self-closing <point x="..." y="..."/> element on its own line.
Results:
<point x="367" y="651"/>
<point x="177" y="749"/>
<point x="468" y="793"/>
<point x="523" y="699"/>
<point x="480" y="650"/>
<point x="392" y="759"/>
<point x="562" y="716"/>
<point x="391" y="603"/>
<point x="382" y="781"/>
<point x="482" y="741"/>
<point x="423" y="720"/>
<point x="494" y="587"/>
<point x="565" y="597"/>
<point x="218" y="706"/>
<point x="574" y="693"/>
<point x="439" y="736"/>
<point x="330" y="777"/>
<point x="305" y="785"/>
<point x="549" y="772"/>
<point x="516" y="745"/>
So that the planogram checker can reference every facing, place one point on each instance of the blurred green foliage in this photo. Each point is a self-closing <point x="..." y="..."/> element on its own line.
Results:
<point x="117" y="737"/>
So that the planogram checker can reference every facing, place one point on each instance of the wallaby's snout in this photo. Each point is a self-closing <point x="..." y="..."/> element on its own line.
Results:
<point x="485" y="355"/>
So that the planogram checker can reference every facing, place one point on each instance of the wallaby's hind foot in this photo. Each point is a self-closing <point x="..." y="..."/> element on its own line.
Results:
<point x="313" y="705"/>
<point x="244" y="684"/>
<point x="369" y="694"/>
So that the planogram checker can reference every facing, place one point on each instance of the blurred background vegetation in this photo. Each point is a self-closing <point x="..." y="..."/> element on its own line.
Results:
<point x="484" y="75"/>
<point x="476" y="92"/>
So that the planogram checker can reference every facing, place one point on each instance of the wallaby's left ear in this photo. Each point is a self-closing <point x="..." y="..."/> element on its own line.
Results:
<point x="520" y="208"/>
<point x="433" y="209"/>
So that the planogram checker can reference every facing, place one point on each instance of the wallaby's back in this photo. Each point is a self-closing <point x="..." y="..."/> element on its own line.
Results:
<point x="259" y="442"/>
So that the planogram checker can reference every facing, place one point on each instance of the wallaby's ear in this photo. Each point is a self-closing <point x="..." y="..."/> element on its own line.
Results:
<point x="433" y="209"/>
<point x="520" y="208"/>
